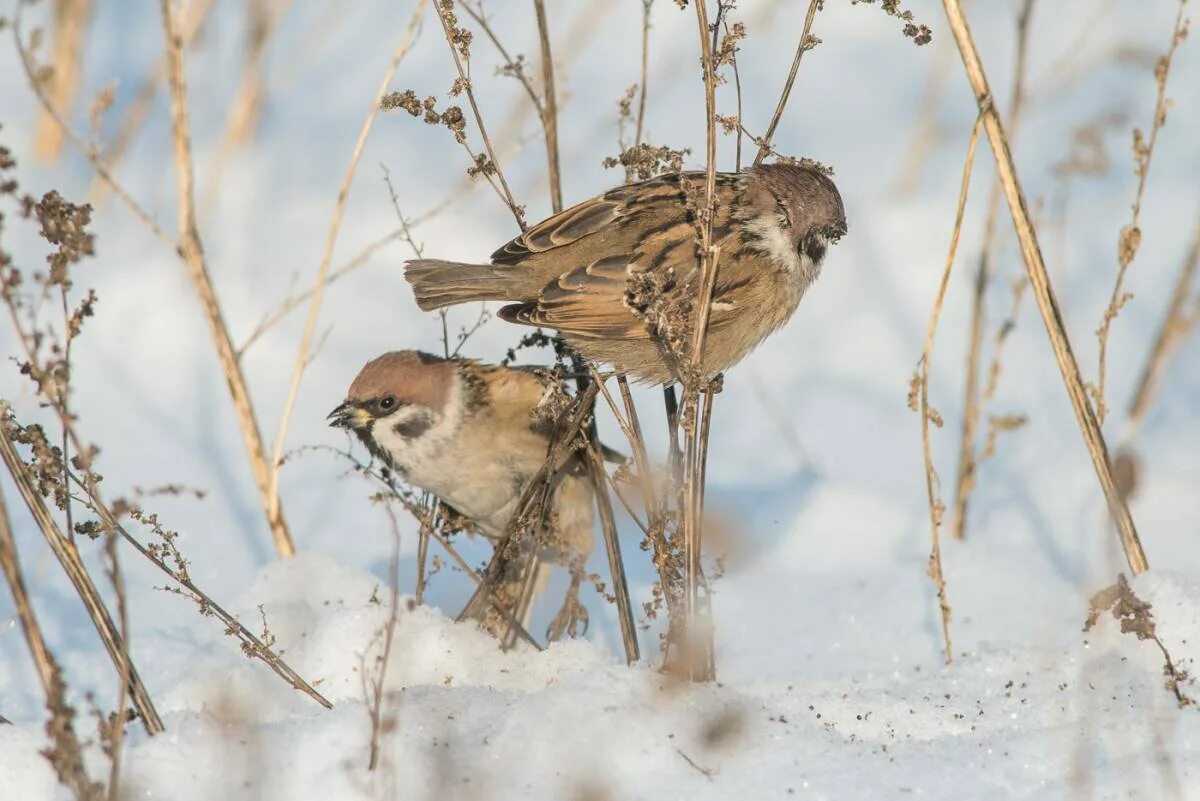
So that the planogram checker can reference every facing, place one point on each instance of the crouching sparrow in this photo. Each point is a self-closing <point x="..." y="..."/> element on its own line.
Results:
<point x="474" y="435"/>
<point x="618" y="275"/>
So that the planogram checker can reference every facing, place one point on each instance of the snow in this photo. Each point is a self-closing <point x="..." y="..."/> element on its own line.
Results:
<point x="463" y="719"/>
<point x="831" y="682"/>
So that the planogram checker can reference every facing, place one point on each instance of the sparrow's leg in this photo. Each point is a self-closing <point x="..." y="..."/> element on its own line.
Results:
<point x="672" y="404"/>
<point x="571" y="615"/>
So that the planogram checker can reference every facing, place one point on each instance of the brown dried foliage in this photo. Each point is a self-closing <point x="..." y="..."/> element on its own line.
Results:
<point x="1136" y="617"/>
<point x="1130" y="236"/>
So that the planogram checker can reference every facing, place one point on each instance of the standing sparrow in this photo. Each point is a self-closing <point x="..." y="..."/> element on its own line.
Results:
<point x="618" y="274"/>
<point x="474" y="435"/>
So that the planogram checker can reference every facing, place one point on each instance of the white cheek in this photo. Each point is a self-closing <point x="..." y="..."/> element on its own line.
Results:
<point x="427" y="460"/>
<point x="776" y="243"/>
<point x="408" y="451"/>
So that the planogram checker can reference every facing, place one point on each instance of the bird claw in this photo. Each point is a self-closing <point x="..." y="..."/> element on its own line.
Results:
<point x="569" y="618"/>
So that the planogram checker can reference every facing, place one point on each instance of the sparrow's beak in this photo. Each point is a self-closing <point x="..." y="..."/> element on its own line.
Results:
<point x="349" y="415"/>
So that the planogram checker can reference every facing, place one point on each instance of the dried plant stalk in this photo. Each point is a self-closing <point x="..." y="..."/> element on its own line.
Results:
<point x="446" y="18"/>
<point x="71" y="19"/>
<point x="696" y="649"/>
<point x="251" y="645"/>
<point x="764" y="146"/>
<point x="374" y="683"/>
<point x="642" y="87"/>
<point x="549" y="108"/>
<point x="929" y="415"/>
<point x="245" y="112"/>
<point x="1172" y="330"/>
<point x="964" y="482"/>
<point x="72" y="564"/>
<point x="1039" y="280"/>
<point x="43" y="660"/>
<point x="143" y="102"/>
<point x="67" y="755"/>
<point x="318" y="293"/>
<point x="193" y="256"/>
<point x="116" y="735"/>
<point x="1131" y="235"/>
<point x="925" y="132"/>
<point x="612" y="547"/>
<point x="560" y="451"/>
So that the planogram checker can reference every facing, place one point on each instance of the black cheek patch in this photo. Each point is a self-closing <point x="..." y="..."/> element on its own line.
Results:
<point x="413" y="427"/>
<point x="814" y="250"/>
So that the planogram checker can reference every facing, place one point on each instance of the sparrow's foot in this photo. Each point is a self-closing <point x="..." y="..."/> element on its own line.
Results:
<point x="572" y="617"/>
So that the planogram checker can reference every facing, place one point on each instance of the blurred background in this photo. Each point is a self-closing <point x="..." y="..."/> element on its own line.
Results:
<point x="815" y="461"/>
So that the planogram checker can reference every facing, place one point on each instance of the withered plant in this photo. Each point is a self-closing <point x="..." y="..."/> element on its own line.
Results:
<point x="62" y="474"/>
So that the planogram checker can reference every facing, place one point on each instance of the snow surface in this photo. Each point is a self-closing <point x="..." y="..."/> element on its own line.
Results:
<point x="831" y="683"/>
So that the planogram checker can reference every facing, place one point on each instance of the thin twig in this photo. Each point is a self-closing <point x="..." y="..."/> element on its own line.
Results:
<point x="68" y="751"/>
<point x="642" y="88"/>
<point x="251" y="644"/>
<point x="446" y="17"/>
<point x="705" y="772"/>
<point x="513" y="66"/>
<point x="936" y="507"/>
<point x="1039" y="280"/>
<point x="1131" y="234"/>
<point x="1172" y="330"/>
<point x="487" y="592"/>
<point x="764" y="147"/>
<point x="72" y="564"/>
<point x="389" y="636"/>
<point x="117" y="727"/>
<point x="360" y="259"/>
<point x="697" y="648"/>
<point x="549" y="109"/>
<point x="737" y="86"/>
<point x="193" y="255"/>
<point x="71" y="18"/>
<point x="560" y="451"/>
<point x="245" y="111"/>
<point x="43" y="660"/>
<point x="139" y="109"/>
<point x="294" y="302"/>
<point x="77" y="141"/>
<point x="612" y="547"/>
<point x="964" y="481"/>
<point x="335" y="225"/>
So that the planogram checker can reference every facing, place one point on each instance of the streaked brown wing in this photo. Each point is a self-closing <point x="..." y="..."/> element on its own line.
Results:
<point x="588" y="302"/>
<point x="563" y="228"/>
<point x="595" y="215"/>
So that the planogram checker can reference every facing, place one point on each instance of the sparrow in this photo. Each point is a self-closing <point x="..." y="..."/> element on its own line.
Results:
<point x="474" y="435"/>
<point x="618" y="275"/>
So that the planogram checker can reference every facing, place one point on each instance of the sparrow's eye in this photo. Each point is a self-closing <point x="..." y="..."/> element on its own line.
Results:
<point x="387" y="403"/>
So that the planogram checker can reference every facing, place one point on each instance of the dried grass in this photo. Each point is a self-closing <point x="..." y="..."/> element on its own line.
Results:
<point x="318" y="292"/>
<point x="918" y="401"/>
<point x="1039" y="280"/>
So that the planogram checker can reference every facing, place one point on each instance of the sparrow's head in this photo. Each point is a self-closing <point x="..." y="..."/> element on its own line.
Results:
<point x="396" y="399"/>
<point x="804" y="205"/>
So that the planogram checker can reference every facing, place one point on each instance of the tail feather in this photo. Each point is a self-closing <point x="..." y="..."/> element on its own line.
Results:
<point x="438" y="283"/>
